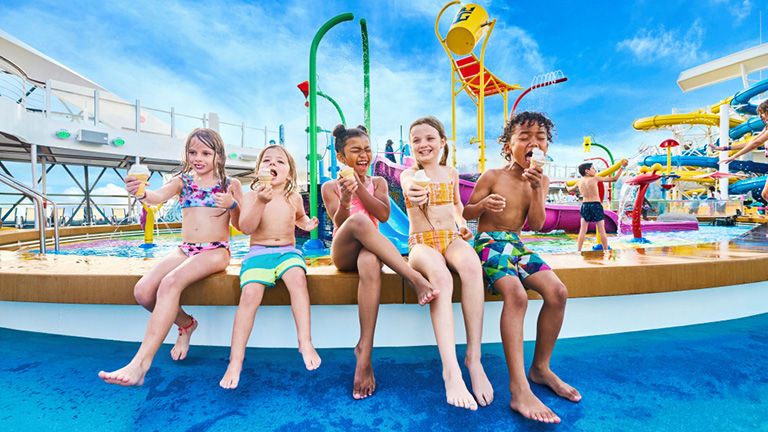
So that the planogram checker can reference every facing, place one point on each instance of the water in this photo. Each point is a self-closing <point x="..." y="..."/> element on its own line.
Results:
<point x="128" y="246"/>
<point x="560" y="242"/>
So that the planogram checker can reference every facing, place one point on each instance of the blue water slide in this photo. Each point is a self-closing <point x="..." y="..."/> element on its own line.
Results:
<point x="748" y="185"/>
<point x="396" y="227"/>
<point x="741" y="100"/>
<point x="706" y="162"/>
<point x="755" y="124"/>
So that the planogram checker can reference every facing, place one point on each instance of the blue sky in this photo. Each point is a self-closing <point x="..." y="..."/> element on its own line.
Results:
<point x="244" y="59"/>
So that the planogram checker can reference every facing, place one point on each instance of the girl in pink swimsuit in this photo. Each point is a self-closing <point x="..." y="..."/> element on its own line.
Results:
<point x="207" y="198"/>
<point x="356" y="204"/>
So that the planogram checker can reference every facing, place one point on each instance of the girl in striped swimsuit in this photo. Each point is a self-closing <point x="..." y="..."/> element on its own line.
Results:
<point x="437" y="243"/>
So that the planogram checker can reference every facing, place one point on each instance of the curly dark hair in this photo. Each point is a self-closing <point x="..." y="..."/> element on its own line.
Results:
<point x="525" y="118"/>
<point x="341" y="134"/>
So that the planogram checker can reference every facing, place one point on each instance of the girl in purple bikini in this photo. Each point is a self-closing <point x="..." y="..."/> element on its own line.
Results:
<point x="208" y="200"/>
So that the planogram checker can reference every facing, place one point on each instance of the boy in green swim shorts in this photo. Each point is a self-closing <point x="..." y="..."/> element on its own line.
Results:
<point x="511" y="268"/>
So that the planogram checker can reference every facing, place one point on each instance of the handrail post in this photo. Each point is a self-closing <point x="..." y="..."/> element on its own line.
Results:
<point x="96" y="107"/>
<point x="138" y="115"/>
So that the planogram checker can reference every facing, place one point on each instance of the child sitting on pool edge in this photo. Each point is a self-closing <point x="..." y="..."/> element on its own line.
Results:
<point x="273" y="255"/>
<point x="511" y="268"/>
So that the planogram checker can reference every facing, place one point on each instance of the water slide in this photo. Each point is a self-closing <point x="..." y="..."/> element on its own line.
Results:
<point x="396" y="227"/>
<point x="741" y="100"/>
<point x="706" y="162"/>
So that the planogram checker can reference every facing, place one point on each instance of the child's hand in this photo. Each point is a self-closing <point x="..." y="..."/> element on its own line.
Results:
<point x="417" y="195"/>
<point x="533" y="175"/>
<point x="465" y="233"/>
<point x="348" y="188"/>
<point x="224" y="200"/>
<point x="494" y="203"/>
<point x="728" y="160"/>
<point x="264" y="193"/>
<point x="132" y="184"/>
<point x="624" y="163"/>
<point x="311" y="224"/>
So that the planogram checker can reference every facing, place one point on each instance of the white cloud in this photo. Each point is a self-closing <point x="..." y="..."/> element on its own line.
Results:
<point x="651" y="45"/>
<point x="740" y="9"/>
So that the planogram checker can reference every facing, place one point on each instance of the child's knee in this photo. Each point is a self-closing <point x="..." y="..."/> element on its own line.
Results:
<point x="517" y="299"/>
<point x="251" y="294"/>
<point x="368" y="267"/>
<point x="168" y="285"/>
<point x="358" y="222"/>
<point x="144" y="293"/>
<point x="557" y="296"/>
<point x="442" y="279"/>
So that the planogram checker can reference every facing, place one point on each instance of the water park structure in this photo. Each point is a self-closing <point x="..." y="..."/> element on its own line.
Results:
<point x="611" y="292"/>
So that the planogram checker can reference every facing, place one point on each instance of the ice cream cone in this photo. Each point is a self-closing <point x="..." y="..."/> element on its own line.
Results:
<point x="347" y="173"/>
<point x="139" y="172"/>
<point x="421" y="179"/>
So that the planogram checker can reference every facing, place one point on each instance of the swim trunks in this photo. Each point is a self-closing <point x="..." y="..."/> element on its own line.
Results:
<point x="592" y="211"/>
<point x="438" y="240"/>
<point x="192" y="249"/>
<point x="503" y="254"/>
<point x="267" y="264"/>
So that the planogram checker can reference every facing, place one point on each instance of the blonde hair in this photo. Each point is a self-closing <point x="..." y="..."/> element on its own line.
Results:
<point x="438" y="126"/>
<point x="292" y="176"/>
<point x="211" y="139"/>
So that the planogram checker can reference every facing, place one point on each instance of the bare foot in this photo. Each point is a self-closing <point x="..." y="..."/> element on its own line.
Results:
<point x="131" y="374"/>
<point x="481" y="387"/>
<point x="365" y="383"/>
<point x="311" y="357"/>
<point x="425" y="292"/>
<point x="527" y="404"/>
<point x="549" y="379"/>
<point x="232" y="375"/>
<point x="180" y="350"/>
<point x="456" y="393"/>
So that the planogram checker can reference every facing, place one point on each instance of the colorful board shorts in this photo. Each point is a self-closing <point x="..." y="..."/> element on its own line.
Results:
<point x="592" y="211"/>
<point x="503" y="254"/>
<point x="267" y="264"/>
<point x="192" y="249"/>
<point x="438" y="240"/>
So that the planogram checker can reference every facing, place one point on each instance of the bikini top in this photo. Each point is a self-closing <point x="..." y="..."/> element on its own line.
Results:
<point x="193" y="195"/>
<point x="439" y="193"/>
<point x="356" y="206"/>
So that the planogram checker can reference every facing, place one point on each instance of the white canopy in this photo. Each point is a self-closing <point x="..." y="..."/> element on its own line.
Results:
<point x="731" y="66"/>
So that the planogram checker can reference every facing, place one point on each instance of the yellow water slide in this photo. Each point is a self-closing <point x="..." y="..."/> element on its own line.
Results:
<point x="695" y="118"/>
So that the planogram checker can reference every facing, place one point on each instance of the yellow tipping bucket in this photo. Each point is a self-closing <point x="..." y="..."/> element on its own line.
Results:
<point x="467" y="29"/>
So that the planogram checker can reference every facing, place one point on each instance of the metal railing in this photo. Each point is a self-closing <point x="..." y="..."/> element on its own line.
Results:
<point x="38" y="198"/>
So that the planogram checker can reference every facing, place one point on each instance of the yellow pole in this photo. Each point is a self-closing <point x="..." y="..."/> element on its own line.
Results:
<point x="481" y="102"/>
<point x="453" y="111"/>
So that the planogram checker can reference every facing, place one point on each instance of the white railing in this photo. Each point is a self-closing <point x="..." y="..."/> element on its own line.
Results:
<point x="55" y="99"/>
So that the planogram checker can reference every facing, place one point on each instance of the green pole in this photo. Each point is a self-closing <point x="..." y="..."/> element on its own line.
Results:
<point x="313" y="112"/>
<point x="366" y="76"/>
<point x="610" y="156"/>
<point x="336" y="105"/>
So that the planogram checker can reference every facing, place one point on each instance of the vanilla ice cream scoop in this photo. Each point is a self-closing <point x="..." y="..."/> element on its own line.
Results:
<point x="264" y="177"/>
<point x="347" y="173"/>
<point x="421" y="179"/>
<point x="139" y="172"/>
<point x="538" y="158"/>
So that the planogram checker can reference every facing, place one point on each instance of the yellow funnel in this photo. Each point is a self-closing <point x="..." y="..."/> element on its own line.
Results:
<point x="467" y="29"/>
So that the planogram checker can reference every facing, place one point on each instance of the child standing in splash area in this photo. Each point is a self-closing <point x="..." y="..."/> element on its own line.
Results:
<point x="503" y="199"/>
<point x="438" y="242"/>
<point x="273" y="255"/>
<point x="356" y="203"/>
<point x="591" y="207"/>
<point x="208" y="199"/>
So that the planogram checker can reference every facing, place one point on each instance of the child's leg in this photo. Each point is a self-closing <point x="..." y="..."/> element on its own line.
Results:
<point x="165" y="311"/>
<point x="463" y="260"/>
<point x="250" y="299"/>
<point x="357" y="232"/>
<point x="555" y="295"/>
<point x="296" y="281"/>
<point x="368" y="297"/>
<point x="432" y="264"/>
<point x="145" y="293"/>
<point x="512" y="316"/>
<point x="582" y="233"/>
<point x="603" y="236"/>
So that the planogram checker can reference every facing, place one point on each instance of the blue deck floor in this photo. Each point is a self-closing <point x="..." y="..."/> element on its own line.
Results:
<point x="702" y="377"/>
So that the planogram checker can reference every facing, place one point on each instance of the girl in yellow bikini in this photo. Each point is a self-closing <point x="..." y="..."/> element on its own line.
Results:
<point x="437" y="243"/>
